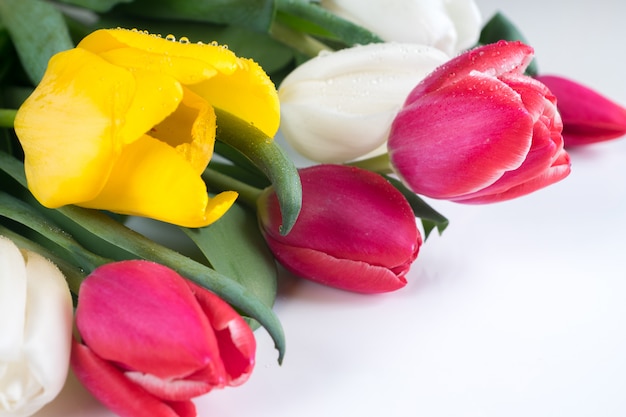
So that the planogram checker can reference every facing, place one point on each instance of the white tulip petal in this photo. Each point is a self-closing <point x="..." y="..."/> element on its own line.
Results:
<point x="438" y="23"/>
<point x="34" y="371"/>
<point x="12" y="300"/>
<point x="339" y="106"/>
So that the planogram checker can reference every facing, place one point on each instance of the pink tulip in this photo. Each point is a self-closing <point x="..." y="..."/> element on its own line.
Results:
<point x="588" y="117"/>
<point x="476" y="130"/>
<point x="151" y="340"/>
<point x="355" y="231"/>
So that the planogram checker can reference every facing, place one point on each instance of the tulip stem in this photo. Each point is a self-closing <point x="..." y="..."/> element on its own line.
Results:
<point x="7" y="117"/>
<point x="380" y="164"/>
<point x="297" y="40"/>
<point x="222" y="182"/>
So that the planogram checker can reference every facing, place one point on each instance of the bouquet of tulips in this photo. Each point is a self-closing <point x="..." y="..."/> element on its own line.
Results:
<point x="166" y="111"/>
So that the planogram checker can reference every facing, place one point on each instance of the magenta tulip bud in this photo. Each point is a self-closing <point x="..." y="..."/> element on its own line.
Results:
<point x="477" y="130"/>
<point x="151" y="340"/>
<point x="588" y="117"/>
<point x="355" y="231"/>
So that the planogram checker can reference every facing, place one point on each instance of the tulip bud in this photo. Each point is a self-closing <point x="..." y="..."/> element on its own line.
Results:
<point x="151" y="340"/>
<point x="588" y="117"/>
<point x="477" y="130"/>
<point x="355" y="231"/>
<point x="339" y="106"/>
<point x="36" y="329"/>
<point x="451" y="25"/>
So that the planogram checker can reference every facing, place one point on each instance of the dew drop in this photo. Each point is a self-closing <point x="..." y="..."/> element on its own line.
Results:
<point x="214" y="43"/>
<point x="170" y="37"/>
<point x="184" y="40"/>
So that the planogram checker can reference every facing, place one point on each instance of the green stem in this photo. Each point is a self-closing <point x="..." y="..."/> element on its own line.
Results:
<point x="247" y="193"/>
<point x="380" y="164"/>
<point x="7" y="117"/>
<point x="297" y="40"/>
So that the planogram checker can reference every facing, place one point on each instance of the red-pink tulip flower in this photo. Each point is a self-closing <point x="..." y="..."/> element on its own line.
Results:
<point x="476" y="130"/>
<point x="588" y="116"/>
<point x="151" y="340"/>
<point x="355" y="231"/>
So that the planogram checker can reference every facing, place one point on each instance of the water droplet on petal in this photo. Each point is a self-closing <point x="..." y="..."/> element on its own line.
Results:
<point x="170" y="37"/>
<point x="184" y="40"/>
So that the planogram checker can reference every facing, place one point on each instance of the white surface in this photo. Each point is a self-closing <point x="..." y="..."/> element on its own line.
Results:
<point x="517" y="310"/>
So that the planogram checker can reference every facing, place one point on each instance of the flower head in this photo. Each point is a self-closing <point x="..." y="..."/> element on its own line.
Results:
<point x="151" y="340"/>
<point x="125" y="122"/>
<point x="477" y="130"/>
<point x="355" y="231"/>
<point x="36" y="329"/>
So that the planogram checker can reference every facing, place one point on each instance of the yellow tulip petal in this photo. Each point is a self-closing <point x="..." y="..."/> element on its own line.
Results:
<point x="152" y="179"/>
<point x="240" y="86"/>
<point x="187" y="62"/>
<point x="155" y="97"/>
<point x="191" y="130"/>
<point x="67" y="126"/>
<point x="247" y="93"/>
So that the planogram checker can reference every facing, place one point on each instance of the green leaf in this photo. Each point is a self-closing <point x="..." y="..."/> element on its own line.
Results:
<point x="430" y="217"/>
<point x="310" y="13"/>
<point x="253" y="14"/>
<point x="37" y="30"/>
<point x="96" y="5"/>
<point x="235" y="247"/>
<point x="18" y="211"/>
<point x="499" y="27"/>
<point x="266" y="155"/>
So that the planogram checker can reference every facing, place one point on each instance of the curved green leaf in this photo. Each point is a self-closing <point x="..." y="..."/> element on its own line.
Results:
<point x="269" y="158"/>
<point x="37" y="30"/>
<point x="235" y="247"/>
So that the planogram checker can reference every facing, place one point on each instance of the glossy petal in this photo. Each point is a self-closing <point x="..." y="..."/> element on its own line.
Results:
<point x="152" y="179"/>
<point x="353" y="226"/>
<point x="36" y="325"/>
<point x="446" y="25"/>
<point x="109" y="385"/>
<point x="237" y="85"/>
<point x="143" y="317"/>
<point x="339" y="107"/>
<point x="588" y="116"/>
<point x="236" y="342"/>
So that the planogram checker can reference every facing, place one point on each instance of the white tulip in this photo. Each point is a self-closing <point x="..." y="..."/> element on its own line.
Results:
<point x="35" y="330"/>
<point x="339" y="106"/>
<point x="449" y="25"/>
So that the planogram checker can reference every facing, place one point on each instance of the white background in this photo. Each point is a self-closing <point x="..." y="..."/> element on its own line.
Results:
<point x="517" y="310"/>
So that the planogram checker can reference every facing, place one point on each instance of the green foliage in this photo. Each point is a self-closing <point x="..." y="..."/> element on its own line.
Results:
<point x="38" y="31"/>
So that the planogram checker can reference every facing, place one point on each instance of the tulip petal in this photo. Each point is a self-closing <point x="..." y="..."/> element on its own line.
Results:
<point x="456" y="114"/>
<point x="347" y="274"/>
<point x="152" y="179"/>
<point x="144" y="317"/>
<point x="236" y="341"/>
<point x="171" y="389"/>
<point x="77" y="86"/>
<point x="186" y="62"/>
<point x="588" y="116"/>
<point x="492" y="59"/>
<point x="237" y="85"/>
<point x="13" y="287"/>
<point x="109" y="385"/>
<point x="48" y="332"/>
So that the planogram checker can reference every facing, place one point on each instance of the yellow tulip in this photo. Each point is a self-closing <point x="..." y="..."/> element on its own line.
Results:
<point x="125" y="122"/>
